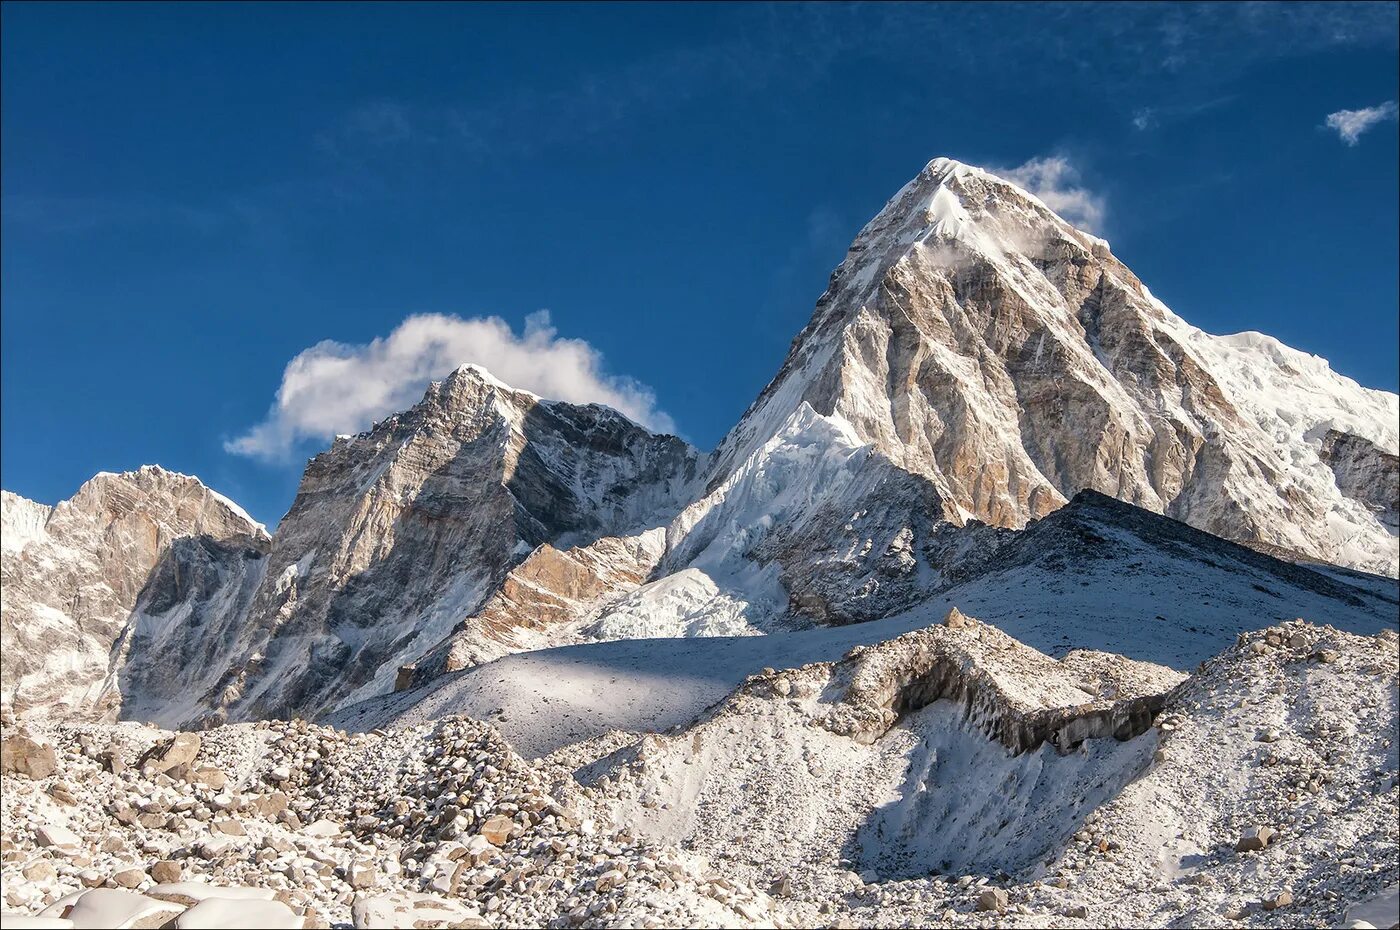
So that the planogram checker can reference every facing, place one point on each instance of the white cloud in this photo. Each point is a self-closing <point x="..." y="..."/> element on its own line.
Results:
<point x="333" y="388"/>
<point x="1144" y="118"/>
<point x="1350" y="124"/>
<point x="1056" y="182"/>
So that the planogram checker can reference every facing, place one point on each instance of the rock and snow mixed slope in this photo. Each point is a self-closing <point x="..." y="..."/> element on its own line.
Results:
<point x="73" y="574"/>
<point x="949" y="776"/>
<point x="1096" y="574"/>
<point x="974" y="364"/>
<point x="955" y="777"/>
<point x="980" y="341"/>
<point x="399" y="533"/>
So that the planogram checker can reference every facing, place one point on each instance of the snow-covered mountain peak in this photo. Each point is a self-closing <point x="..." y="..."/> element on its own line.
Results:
<point x="73" y="573"/>
<point x="975" y="338"/>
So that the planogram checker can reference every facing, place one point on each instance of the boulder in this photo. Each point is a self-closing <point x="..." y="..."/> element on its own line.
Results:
<point x="360" y="875"/>
<point x="209" y="776"/>
<point x="1254" y="838"/>
<point x="322" y="827"/>
<point x="40" y="870"/>
<point x="993" y="899"/>
<point x="176" y="751"/>
<point x="165" y="871"/>
<point x="496" y="829"/>
<point x="21" y="755"/>
<point x="60" y="837"/>
<point x="129" y="878"/>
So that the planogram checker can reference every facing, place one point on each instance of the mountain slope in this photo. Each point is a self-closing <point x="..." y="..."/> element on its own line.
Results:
<point x="978" y="340"/>
<point x="399" y="533"/>
<point x="72" y="575"/>
<point x="1097" y="574"/>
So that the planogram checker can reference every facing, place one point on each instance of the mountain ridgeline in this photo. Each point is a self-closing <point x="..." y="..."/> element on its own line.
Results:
<point x="975" y="365"/>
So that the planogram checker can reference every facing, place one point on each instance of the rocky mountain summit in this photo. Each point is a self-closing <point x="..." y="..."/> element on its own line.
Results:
<point x="399" y="533"/>
<point x="980" y="341"/>
<point x="72" y="576"/>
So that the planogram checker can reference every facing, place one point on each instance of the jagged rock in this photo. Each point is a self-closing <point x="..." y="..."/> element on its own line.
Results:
<point x="21" y="755"/>
<point x="993" y="899"/>
<point x="1282" y="899"/>
<point x="496" y="830"/>
<point x="360" y="875"/>
<point x="111" y="760"/>
<point x="230" y="827"/>
<point x="209" y="777"/>
<point x="179" y="750"/>
<point x="1254" y="838"/>
<point x="57" y="836"/>
<point x="129" y="878"/>
<point x="954" y="619"/>
<point x="40" y="870"/>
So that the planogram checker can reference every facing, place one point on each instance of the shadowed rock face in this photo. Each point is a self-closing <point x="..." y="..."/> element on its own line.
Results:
<point x="75" y="572"/>
<point x="398" y="534"/>
<point x="1366" y="473"/>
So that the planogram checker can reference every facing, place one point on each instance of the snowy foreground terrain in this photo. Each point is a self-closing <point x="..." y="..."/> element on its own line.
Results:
<point x="1013" y="601"/>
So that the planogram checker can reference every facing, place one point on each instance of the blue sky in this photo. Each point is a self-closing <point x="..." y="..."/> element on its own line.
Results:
<point x="194" y="195"/>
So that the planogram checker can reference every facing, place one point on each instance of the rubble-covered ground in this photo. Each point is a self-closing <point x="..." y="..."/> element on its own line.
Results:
<point x="949" y="776"/>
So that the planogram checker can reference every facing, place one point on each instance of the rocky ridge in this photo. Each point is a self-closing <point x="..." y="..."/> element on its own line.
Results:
<point x="978" y="340"/>
<point x="72" y="575"/>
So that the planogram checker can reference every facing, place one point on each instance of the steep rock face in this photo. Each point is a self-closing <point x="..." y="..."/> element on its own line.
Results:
<point x="542" y="598"/>
<point x="976" y="339"/>
<point x="1366" y="473"/>
<point x="72" y="575"/>
<point x="181" y="634"/>
<point x="399" y="533"/>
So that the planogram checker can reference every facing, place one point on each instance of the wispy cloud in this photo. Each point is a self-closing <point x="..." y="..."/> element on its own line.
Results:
<point x="333" y="388"/>
<point x="1152" y="117"/>
<point x="1350" y="124"/>
<point x="1055" y="180"/>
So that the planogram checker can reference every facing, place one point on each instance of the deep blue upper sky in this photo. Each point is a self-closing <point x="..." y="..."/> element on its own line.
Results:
<point x="194" y="194"/>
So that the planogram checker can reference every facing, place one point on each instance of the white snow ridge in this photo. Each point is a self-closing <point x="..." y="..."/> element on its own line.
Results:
<point x="1013" y="600"/>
